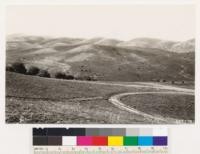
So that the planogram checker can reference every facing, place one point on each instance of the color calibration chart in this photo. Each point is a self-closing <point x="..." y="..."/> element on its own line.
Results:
<point x="100" y="141"/>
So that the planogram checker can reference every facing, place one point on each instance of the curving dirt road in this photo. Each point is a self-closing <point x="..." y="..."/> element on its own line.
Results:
<point x="115" y="100"/>
<point x="137" y="85"/>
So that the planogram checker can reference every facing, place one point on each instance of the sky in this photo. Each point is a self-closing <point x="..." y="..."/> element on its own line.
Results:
<point x="124" y="22"/>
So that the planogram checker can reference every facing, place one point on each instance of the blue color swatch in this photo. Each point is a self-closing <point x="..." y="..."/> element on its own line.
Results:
<point x="145" y="141"/>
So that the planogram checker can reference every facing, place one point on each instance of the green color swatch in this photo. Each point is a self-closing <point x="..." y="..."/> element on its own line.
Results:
<point x="130" y="140"/>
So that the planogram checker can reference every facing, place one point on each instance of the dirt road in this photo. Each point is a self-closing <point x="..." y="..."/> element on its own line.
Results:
<point x="115" y="100"/>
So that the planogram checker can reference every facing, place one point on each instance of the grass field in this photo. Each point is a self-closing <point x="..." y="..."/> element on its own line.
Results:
<point x="31" y="99"/>
<point x="175" y="106"/>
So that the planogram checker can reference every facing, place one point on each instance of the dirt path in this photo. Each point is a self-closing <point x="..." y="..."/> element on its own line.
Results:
<point x="137" y="85"/>
<point x="115" y="100"/>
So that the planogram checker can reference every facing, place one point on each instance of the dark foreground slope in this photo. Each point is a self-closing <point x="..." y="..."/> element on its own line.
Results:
<point x="31" y="99"/>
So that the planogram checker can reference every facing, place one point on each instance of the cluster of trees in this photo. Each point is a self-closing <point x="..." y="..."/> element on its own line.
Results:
<point x="61" y="75"/>
<point x="19" y="67"/>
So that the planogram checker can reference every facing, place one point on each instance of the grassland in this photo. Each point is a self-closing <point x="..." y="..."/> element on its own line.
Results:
<point x="166" y="105"/>
<point x="31" y="99"/>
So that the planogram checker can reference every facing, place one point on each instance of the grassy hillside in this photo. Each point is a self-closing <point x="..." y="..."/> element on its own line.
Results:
<point x="183" y="108"/>
<point x="31" y="99"/>
<point x="101" y="58"/>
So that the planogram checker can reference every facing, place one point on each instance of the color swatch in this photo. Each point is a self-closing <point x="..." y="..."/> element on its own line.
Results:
<point x="115" y="141"/>
<point x="130" y="140"/>
<point x="99" y="137"/>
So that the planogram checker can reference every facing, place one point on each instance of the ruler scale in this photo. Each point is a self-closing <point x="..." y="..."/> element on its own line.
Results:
<point x="100" y="141"/>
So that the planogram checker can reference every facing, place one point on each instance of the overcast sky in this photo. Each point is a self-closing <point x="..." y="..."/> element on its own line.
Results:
<point x="170" y="22"/>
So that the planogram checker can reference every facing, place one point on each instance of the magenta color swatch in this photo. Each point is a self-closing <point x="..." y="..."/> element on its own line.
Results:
<point x="84" y="140"/>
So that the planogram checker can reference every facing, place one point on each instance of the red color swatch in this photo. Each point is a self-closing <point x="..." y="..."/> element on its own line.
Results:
<point x="100" y="140"/>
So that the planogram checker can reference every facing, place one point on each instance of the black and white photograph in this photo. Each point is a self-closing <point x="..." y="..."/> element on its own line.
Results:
<point x="100" y="64"/>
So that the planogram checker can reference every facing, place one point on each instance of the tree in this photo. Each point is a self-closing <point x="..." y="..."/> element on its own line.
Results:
<point x="33" y="70"/>
<point x="44" y="73"/>
<point x="69" y="77"/>
<point x="19" y="67"/>
<point x="9" y="68"/>
<point x="60" y="75"/>
<point x="173" y="82"/>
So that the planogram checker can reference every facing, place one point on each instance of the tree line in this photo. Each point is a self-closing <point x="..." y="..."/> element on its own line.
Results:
<point x="19" y="67"/>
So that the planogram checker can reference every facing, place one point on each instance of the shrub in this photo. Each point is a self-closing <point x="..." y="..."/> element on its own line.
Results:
<point x="87" y="78"/>
<point x="9" y="68"/>
<point x="78" y="78"/>
<point x="33" y="70"/>
<point x="60" y="75"/>
<point x="19" y="67"/>
<point x="173" y="82"/>
<point x="44" y="73"/>
<point x="69" y="77"/>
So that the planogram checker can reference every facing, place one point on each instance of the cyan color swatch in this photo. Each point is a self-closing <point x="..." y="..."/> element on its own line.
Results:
<point x="145" y="141"/>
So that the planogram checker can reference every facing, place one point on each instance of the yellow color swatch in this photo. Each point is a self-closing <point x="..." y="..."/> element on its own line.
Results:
<point x="115" y="140"/>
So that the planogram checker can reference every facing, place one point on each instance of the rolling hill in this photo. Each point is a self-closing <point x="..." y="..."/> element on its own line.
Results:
<point x="141" y="59"/>
<point x="178" y="47"/>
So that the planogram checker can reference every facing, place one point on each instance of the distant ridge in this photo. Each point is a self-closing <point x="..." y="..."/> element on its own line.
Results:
<point x="179" y="47"/>
<point x="172" y="46"/>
